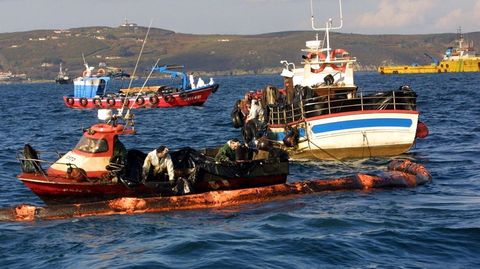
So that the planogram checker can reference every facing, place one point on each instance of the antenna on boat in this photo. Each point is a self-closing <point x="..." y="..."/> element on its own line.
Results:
<point x="87" y="68"/>
<point x="83" y="57"/>
<point x="328" y="26"/>
<point x="329" y="23"/>
<point x="140" y="54"/>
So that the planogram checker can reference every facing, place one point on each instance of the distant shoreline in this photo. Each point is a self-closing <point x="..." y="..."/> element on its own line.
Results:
<point x="199" y="73"/>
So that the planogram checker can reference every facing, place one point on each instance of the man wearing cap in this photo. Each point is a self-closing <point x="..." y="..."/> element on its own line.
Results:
<point x="157" y="163"/>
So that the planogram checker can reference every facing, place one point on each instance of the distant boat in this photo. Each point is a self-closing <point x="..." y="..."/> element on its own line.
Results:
<point x="91" y="91"/>
<point x="114" y="72"/>
<point x="461" y="58"/>
<point x="62" y="77"/>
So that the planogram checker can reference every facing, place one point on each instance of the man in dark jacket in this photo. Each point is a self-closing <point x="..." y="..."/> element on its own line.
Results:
<point x="227" y="151"/>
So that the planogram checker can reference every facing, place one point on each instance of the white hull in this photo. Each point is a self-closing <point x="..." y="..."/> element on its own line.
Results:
<point x="345" y="135"/>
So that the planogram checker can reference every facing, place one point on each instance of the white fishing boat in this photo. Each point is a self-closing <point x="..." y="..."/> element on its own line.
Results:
<point x="63" y="77"/>
<point x="321" y="114"/>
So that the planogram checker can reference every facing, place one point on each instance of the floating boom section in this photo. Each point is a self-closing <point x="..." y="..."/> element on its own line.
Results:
<point x="399" y="174"/>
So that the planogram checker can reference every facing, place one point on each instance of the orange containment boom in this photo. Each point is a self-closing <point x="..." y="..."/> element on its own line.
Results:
<point x="400" y="174"/>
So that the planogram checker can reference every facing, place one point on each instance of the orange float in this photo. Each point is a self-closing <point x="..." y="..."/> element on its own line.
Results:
<point x="399" y="174"/>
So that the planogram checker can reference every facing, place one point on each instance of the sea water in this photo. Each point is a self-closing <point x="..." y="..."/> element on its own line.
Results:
<point x="431" y="226"/>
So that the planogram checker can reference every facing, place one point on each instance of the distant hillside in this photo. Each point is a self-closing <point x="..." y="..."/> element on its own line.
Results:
<point x="38" y="53"/>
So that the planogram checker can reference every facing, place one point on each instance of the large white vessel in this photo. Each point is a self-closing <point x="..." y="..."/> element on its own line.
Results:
<point x="320" y="113"/>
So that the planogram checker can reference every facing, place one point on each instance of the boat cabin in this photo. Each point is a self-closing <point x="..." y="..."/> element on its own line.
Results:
<point x="89" y="87"/>
<point x="95" y="150"/>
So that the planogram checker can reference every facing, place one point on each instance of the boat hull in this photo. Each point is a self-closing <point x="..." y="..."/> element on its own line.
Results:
<point x="195" y="97"/>
<point x="54" y="189"/>
<point x="63" y="81"/>
<point x="453" y="66"/>
<point x="353" y="135"/>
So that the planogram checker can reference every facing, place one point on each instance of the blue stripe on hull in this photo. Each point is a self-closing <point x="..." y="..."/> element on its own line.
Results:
<point x="363" y="123"/>
<point x="279" y="136"/>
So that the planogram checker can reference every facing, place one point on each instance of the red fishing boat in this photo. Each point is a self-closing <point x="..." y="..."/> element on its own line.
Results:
<point x="99" y="167"/>
<point x="91" y="91"/>
<point x="399" y="174"/>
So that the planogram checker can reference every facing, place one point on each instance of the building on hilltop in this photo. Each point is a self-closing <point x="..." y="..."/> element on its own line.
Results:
<point x="128" y="24"/>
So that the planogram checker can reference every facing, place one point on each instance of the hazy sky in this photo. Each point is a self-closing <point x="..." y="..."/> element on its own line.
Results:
<point x="244" y="16"/>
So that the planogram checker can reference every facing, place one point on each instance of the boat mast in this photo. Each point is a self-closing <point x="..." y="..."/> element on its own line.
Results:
<point x="140" y="54"/>
<point x="460" y="38"/>
<point x="328" y="27"/>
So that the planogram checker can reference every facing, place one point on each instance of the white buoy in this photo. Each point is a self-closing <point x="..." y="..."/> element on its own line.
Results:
<point x="104" y="114"/>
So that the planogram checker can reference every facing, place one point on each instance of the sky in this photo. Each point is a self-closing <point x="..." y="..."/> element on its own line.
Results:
<point x="245" y="16"/>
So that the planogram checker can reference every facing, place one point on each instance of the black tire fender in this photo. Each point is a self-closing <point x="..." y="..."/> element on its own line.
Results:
<point x="70" y="101"/>
<point x="111" y="102"/>
<point x="140" y="101"/>
<point x="83" y="102"/>
<point x="97" y="102"/>
<point x="153" y="99"/>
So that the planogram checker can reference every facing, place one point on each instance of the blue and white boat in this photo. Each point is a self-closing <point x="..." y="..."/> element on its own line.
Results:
<point x="92" y="91"/>
<point x="321" y="114"/>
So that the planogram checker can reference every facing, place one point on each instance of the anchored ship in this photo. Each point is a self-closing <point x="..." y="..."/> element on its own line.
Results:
<point x="461" y="58"/>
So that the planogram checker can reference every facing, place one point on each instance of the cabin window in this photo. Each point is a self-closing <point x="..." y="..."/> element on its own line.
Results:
<point x="90" y="145"/>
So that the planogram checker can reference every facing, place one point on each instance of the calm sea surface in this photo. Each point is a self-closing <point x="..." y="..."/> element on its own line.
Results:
<point x="432" y="226"/>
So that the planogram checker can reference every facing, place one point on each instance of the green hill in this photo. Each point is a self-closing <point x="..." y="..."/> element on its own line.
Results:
<point x="39" y="53"/>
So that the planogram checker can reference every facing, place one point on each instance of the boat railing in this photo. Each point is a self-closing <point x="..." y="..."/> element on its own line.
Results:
<point x="340" y="102"/>
<point x="287" y="113"/>
<point x="35" y="164"/>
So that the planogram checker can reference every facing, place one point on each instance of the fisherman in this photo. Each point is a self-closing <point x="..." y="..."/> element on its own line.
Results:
<point x="227" y="152"/>
<point x="157" y="163"/>
<point x="245" y="104"/>
<point x="255" y="112"/>
<point x="200" y="83"/>
<point x="192" y="81"/>
<point x="255" y="125"/>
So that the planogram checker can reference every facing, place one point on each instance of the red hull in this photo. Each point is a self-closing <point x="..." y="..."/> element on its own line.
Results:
<point x="60" y="190"/>
<point x="188" y="98"/>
